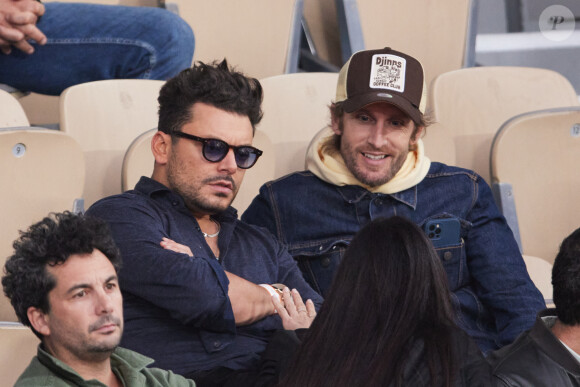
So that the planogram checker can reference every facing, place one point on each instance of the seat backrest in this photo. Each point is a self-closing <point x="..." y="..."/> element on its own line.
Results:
<point x="469" y="105"/>
<point x="540" y="272"/>
<point x="440" y="34"/>
<point x="538" y="154"/>
<point x="261" y="37"/>
<point x="138" y="160"/>
<point x="105" y="117"/>
<point x="17" y="350"/>
<point x="42" y="171"/>
<point x="295" y="108"/>
<point x="11" y="112"/>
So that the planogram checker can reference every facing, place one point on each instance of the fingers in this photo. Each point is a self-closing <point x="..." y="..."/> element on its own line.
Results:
<point x="32" y="32"/>
<point x="298" y="301"/>
<point x="279" y="308"/>
<point x="9" y="35"/>
<point x="310" y="308"/>
<point x="169" y="244"/>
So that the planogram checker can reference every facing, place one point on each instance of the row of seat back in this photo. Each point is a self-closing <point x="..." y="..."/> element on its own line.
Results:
<point x="441" y="34"/>
<point x="534" y="171"/>
<point x="42" y="171"/>
<point x="469" y="105"/>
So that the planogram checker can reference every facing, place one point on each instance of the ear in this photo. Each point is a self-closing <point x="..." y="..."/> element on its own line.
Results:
<point x="39" y="320"/>
<point x="161" y="147"/>
<point x="335" y="124"/>
<point x="418" y="135"/>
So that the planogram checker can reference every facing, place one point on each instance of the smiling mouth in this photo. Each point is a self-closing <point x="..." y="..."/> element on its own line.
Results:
<point x="374" y="157"/>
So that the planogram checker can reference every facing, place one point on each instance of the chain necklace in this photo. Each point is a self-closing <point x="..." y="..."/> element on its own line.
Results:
<point x="206" y="235"/>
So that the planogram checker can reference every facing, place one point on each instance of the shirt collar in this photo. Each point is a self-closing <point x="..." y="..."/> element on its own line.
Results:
<point x="355" y="193"/>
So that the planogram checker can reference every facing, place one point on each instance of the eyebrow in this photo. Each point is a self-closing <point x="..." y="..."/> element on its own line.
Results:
<point x="84" y="286"/>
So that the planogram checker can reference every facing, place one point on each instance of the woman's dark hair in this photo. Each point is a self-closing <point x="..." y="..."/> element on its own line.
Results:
<point x="566" y="280"/>
<point x="389" y="293"/>
<point x="51" y="242"/>
<point x="215" y="84"/>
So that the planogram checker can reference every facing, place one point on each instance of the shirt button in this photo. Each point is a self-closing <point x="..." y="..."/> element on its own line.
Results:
<point x="447" y="255"/>
<point x="217" y="344"/>
<point x="174" y="203"/>
<point x="320" y="248"/>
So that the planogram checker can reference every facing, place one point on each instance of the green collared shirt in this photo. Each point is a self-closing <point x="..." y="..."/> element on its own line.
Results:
<point x="130" y="367"/>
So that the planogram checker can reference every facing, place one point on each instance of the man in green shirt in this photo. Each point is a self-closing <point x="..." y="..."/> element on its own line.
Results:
<point x="62" y="282"/>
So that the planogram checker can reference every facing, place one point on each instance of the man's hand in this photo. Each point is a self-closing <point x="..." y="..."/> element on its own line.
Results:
<point x="169" y="244"/>
<point x="294" y="313"/>
<point x="18" y="25"/>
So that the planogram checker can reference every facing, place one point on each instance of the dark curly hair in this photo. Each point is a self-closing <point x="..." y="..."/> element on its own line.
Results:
<point x="51" y="242"/>
<point x="566" y="280"/>
<point x="215" y="84"/>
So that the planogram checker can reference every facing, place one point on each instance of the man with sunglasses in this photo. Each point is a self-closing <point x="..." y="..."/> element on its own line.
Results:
<point x="197" y="282"/>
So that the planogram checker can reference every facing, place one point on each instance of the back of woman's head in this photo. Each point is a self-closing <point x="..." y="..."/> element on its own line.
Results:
<point x="389" y="291"/>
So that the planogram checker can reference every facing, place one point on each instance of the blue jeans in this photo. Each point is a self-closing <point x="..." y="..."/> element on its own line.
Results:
<point x="90" y="42"/>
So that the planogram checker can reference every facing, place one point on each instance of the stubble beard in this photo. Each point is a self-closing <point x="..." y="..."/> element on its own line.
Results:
<point x="349" y="156"/>
<point x="191" y="194"/>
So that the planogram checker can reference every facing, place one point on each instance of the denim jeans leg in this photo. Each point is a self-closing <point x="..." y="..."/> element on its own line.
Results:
<point x="90" y="42"/>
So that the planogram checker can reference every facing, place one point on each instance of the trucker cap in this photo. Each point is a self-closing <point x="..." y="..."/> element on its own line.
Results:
<point x="382" y="75"/>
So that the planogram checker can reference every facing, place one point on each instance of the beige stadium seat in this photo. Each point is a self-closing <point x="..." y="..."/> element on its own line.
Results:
<point x="540" y="272"/>
<point x="11" y="112"/>
<point x="534" y="171"/>
<point x="295" y="108"/>
<point x="42" y="171"/>
<point x="260" y="37"/>
<point x="440" y="34"/>
<point x="105" y="117"/>
<point x="469" y="105"/>
<point x="16" y="351"/>
<point x="138" y="160"/>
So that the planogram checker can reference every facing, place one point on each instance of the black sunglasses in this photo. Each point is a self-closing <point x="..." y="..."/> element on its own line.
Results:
<point x="216" y="150"/>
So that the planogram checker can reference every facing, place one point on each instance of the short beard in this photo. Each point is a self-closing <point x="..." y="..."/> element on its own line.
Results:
<point x="361" y="176"/>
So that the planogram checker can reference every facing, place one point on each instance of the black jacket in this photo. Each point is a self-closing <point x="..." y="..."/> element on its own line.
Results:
<point x="536" y="358"/>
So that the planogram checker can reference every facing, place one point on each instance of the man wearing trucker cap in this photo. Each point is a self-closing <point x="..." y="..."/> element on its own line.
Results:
<point x="371" y="163"/>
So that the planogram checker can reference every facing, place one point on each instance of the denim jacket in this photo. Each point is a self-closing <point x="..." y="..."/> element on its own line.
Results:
<point x="491" y="289"/>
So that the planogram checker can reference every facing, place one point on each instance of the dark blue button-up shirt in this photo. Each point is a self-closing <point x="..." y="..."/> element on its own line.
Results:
<point x="176" y="307"/>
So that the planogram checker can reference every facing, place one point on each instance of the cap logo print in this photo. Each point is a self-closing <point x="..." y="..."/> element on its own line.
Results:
<point x="388" y="72"/>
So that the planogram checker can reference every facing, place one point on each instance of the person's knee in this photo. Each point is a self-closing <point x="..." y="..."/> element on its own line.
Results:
<point x="176" y="51"/>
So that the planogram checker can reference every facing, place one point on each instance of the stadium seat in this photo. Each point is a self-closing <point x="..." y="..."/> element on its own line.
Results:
<point x="469" y="105"/>
<point x="441" y="34"/>
<point x="540" y="272"/>
<point x="105" y="117"/>
<point x="42" y="171"/>
<point x="17" y="350"/>
<point x="11" y="112"/>
<point x="260" y="37"/>
<point x="295" y="108"/>
<point x="534" y="171"/>
<point x="138" y="160"/>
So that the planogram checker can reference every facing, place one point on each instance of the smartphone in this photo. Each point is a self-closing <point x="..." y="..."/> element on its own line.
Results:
<point x="443" y="232"/>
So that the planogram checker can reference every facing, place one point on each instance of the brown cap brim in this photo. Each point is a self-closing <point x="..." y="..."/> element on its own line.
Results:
<point x="355" y="103"/>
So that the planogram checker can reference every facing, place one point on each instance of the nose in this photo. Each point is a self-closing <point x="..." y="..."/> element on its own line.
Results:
<point x="104" y="302"/>
<point x="377" y="136"/>
<point x="228" y="164"/>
